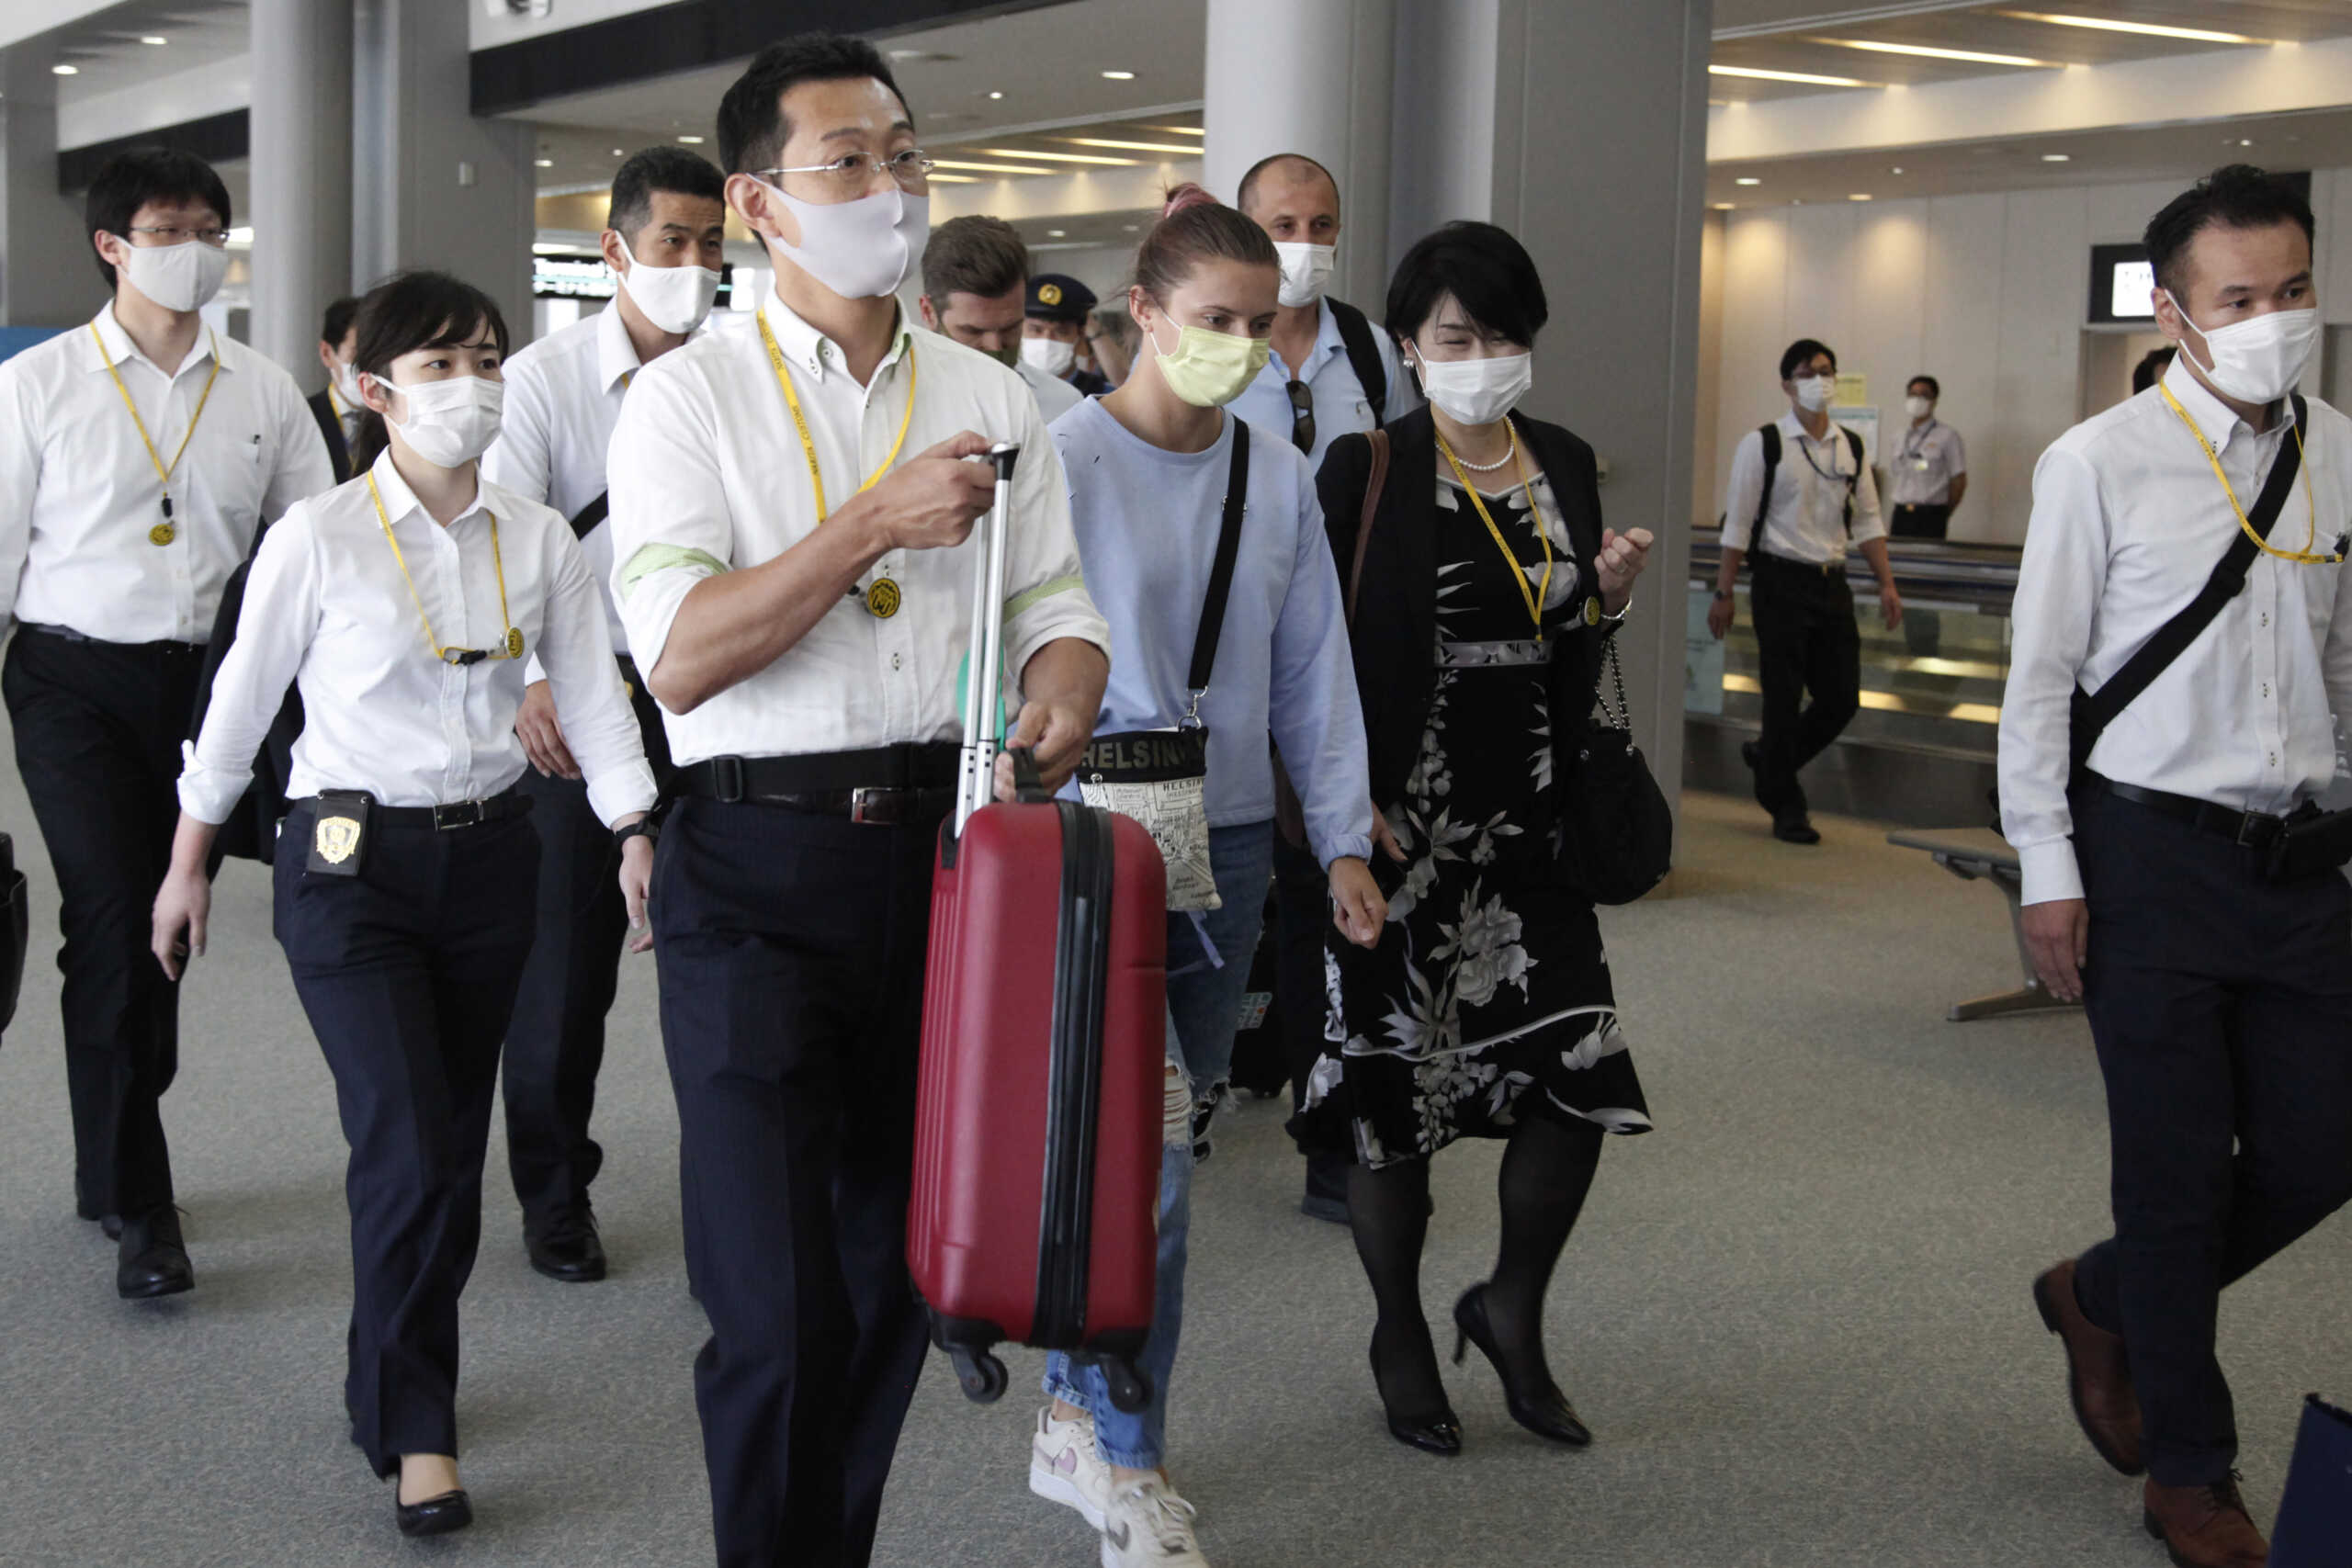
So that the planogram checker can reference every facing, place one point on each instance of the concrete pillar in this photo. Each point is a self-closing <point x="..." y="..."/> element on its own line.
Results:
<point x="1309" y="76"/>
<point x="433" y="187"/>
<point x="49" y="274"/>
<point x="302" y="175"/>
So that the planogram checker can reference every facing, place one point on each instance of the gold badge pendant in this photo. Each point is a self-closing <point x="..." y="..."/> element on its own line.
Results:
<point x="161" y="534"/>
<point x="514" y="642"/>
<point x="882" y="599"/>
<point x="1592" y="612"/>
<point x="334" y="839"/>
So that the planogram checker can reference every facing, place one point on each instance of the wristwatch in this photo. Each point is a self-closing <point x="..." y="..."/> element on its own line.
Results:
<point x="1724" y="595"/>
<point x="643" y="827"/>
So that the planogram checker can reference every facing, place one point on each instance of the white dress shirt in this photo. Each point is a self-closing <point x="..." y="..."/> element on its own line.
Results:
<point x="325" y="607"/>
<point x="1930" y="459"/>
<point x="1807" y="519"/>
<point x="1055" y="396"/>
<point x="2128" y="524"/>
<point x="564" y="397"/>
<point x="1341" y="406"/>
<point x="708" y="475"/>
<point x="79" y="498"/>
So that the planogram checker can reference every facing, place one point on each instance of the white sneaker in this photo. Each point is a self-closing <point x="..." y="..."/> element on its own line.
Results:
<point x="1064" y="1467"/>
<point x="1148" y="1525"/>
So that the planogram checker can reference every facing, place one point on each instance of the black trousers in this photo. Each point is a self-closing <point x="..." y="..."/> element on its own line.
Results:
<point x="555" y="1046"/>
<point x="2222" y="1007"/>
<point x="1806" y="642"/>
<point x="791" y="951"/>
<point x="98" y="727"/>
<point x="1918" y="520"/>
<point x="407" y="972"/>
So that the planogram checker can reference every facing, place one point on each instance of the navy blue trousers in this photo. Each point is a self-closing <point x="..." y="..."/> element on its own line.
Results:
<point x="407" y="972"/>
<point x="791" y="951"/>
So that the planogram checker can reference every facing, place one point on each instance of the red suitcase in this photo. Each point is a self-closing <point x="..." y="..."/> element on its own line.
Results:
<point x="1037" y="1124"/>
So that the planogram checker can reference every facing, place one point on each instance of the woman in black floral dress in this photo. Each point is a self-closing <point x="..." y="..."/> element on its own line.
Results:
<point x="1487" y="594"/>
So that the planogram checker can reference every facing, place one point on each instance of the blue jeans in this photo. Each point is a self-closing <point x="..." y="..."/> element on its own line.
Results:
<point x="1205" y="980"/>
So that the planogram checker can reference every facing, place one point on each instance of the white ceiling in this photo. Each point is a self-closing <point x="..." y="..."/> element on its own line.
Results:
<point x="107" y="54"/>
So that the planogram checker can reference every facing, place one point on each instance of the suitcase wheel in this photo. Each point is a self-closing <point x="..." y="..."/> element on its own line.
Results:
<point x="1130" y="1390"/>
<point x="982" y="1375"/>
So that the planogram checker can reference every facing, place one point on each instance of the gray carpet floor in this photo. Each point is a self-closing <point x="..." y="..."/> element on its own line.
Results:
<point x="1796" y="1315"/>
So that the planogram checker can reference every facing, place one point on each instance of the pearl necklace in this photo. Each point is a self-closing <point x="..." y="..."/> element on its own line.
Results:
<point x="1509" y="453"/>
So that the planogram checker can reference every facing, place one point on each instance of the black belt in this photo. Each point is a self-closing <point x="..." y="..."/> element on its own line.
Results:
<point x="67" y="633"/>
<point x="1809" y="568"/>
<point x="887" y="786"/>
<point x="441" y="818"/>
<point x="2249" y="830"/>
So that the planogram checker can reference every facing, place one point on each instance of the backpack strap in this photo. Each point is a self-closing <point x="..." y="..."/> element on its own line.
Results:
<point x="1375" y="483"/>
<point x="1769" y="436"/>
<point x="585" y="522"/>
<point x="1854" y="479"/>
<point x="1363" y="356"/>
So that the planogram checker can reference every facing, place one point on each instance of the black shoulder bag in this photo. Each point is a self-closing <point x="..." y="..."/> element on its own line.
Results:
<point x="1616" y="829"/>
<point x="1159" y="777"/>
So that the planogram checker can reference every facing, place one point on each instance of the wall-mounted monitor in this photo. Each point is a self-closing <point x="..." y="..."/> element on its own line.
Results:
<point x="2122" y="284"/>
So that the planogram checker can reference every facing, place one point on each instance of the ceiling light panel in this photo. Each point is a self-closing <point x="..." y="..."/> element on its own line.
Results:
<point x="1060" y="157"/>
<point x="1931" y="52"/>
<point x="2142" y="29"/>
<point x="1757" y="73"/>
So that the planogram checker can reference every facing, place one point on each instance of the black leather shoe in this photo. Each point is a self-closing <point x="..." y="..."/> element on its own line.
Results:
<point x="434" y="1515"/>
<point x="1544" y="1410"/>
<point x="1796" y="828"/>
<point x="1438" y="1434"/>
<point x="151" y="1259"/>
<point x="568" y="1249"/>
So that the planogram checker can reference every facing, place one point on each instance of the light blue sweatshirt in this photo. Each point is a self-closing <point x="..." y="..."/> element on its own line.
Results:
<point x="1147" y="523"/>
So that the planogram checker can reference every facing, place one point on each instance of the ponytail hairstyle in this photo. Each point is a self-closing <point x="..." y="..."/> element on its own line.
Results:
<point x="1195" y="227"/>
<point x="413" y="310"/>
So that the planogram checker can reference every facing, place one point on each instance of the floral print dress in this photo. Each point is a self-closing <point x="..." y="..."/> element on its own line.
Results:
<point x="1490" y="985"/>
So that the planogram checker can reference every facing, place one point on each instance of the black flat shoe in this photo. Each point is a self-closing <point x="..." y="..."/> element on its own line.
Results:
<point x="1440" y="1434"/>
<point x="1544" y="1411"/>
<point x="434" y="1515"/>
<point x="1796" y="829"/>
<point x="568" y="1250"/>
<point x="151" y="1259"/>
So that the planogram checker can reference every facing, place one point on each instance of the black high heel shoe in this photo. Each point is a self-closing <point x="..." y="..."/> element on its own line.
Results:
<point x="434" y="1515"/>
<point x="1441" y="1434"/>
<point x="1544" y="1411"/>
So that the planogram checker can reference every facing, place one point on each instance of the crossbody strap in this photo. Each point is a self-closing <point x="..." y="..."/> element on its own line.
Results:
<point x="2094" y="711"/>
<point x="1229" y="548"/>
<point x="585" y="522"/>
<point x="1375" y="483"/>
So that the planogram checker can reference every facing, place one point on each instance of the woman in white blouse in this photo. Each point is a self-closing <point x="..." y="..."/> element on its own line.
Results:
<point x="404" y="603"/>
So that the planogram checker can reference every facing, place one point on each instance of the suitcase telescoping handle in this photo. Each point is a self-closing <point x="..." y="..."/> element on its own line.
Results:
<point x="984" y="670"/>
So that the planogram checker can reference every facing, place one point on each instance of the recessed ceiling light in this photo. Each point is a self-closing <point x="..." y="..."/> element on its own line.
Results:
<point x="1860" y="195"/>
<point x="1118" y="75"/>
<point x="152" y="39"/>
<point x="1757" y="73"/>
<point x="1747" y="180"/>
<point x="691" y="141"/>
<point x="1057" y="233"/>
<point x="1060" y="157"/>
<point x="2057" y="157"/>
<point x="1129" y="146"/>
<point x="2245" y="142"/>
<point x="989" y="168"/>
<point x="1723" y="206"/>
<point x="65" y="71"/>
<point x="2146" y="29"/>
<point x="1896" y="169"/>
<point x="1926" y="52"/>
<point x="1132" y="228"/>
<point x="996" y="95"/>
<point x="543" y="163"/>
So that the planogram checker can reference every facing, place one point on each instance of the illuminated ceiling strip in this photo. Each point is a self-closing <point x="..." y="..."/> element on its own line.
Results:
<point x="1759" y="74"/>
<point x="1178" y="130"/>
<point x="989" y="168"/>
<point x="1060" y="157"/>
<point x="2146" y="30"/>
<point x="1129" y="146"/>
<point x="1926" y="52"/>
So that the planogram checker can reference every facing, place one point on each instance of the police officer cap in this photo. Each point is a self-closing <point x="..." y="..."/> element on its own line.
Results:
<point x="1059" y="297"/>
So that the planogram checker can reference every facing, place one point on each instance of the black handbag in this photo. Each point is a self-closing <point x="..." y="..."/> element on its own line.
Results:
<point x="13" y="940"/>
<point x="2316" y="1519"/>
<point x="1616" y="829"/>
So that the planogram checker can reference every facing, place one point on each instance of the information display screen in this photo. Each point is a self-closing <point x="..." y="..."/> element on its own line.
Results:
<point x="2122" y="284"/>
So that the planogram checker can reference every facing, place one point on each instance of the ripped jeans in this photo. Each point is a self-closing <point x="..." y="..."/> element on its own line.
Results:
<point x="1208" y="967"/>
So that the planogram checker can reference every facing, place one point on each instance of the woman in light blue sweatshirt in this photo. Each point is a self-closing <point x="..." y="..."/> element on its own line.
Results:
<point x="1148" y="468"/>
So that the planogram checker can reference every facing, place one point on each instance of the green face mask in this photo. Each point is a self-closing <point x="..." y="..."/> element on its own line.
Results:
<point x="1009" y="355"/>
<point x="1210" y="369"/>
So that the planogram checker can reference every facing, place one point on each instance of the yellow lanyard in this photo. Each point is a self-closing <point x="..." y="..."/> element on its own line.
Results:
<point x="513" y="648"/>
<point x="163" y="474"/>
<point x="801" y="422"/>
<point x="2304" y="556"/>
<point x="1535" y="518"/>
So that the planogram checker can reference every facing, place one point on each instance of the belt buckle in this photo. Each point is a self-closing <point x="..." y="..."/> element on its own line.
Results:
<point x="460" y="814"/>
<point x="726" y="779"/>
<point x="876" y="805"/>
<point x="2256" y="830"/>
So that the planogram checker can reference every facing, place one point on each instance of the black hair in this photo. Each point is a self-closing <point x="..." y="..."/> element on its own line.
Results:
<point x="130" y="180"/>
<point x="1802" y="353"/>
<point x="2236" y="196"/>
<point x="1195" y="227"/>
<point x="752" y="127"/>
<point x="337" y="324"/>
<point x="413" y="310"/>
<point x="1481" y="266"/>
<point x="1935" y="388"/>
<point x="1248" y="186"/>
<point x="672" y="169"/>
<point x="2152" y="364"/>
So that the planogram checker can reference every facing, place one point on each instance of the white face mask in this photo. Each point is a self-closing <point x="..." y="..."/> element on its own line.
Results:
<point x="1477" y="392"/>
<point x="347" y="386"/>
<point x="178" y="278"/>
<point x="862" y="249"/>
<point x="450" y="423"/>
<point x="2258" y="360"/>
<point x="1916" y="408"/>
<point x="674" y="298"/>
<point x="1050" y="355"/>
<point x="1814" y="392"/>
<point x="1306" y="269"/>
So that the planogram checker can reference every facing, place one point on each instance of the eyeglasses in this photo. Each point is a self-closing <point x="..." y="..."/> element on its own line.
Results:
<point x="855" y="170"/>
<point x="1302" y="416"/>
<point x="216" y="238"/>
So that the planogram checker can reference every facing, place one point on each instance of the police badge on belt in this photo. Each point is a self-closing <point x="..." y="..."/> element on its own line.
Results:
<point x="339" y="834"/>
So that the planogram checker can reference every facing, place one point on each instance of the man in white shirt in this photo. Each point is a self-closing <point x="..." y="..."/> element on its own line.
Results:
<point x="2148" y="814"/>
<point x="1801" y="496"/>
<point x="663" y="239"/>
<point x="1928" y="473"/>
<point x="139" y="453"/>
<point x="975" y="288"/>
<point x="1347" y="378"/>
<point x="792" y="512"/>
<point x="336" y="405"/>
